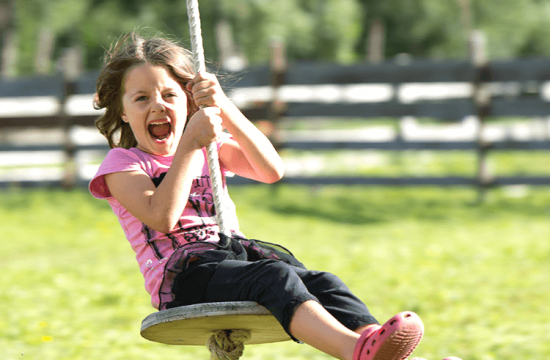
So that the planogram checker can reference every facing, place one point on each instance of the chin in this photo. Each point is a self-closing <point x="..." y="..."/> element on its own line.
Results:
<point x="164" y="148"/>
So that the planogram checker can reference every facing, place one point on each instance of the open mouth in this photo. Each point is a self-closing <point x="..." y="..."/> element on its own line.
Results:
<point x="160" y="130"/>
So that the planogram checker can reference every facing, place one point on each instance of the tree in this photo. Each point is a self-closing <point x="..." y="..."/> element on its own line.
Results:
<point x="317" y="30"/>
<point x="434" y="29"/>
<point x="8" y="39"/>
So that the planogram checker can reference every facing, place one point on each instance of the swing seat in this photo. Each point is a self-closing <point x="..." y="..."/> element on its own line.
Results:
<point x="194" y="324"/>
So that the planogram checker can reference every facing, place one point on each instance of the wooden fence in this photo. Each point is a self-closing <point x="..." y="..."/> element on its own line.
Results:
<point x="493" y="89"/>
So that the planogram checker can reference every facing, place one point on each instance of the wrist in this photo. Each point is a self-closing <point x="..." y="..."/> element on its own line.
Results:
<point x="229" y="112"/>
<point x="225" y="105"/>
<point x="189" y="144"/>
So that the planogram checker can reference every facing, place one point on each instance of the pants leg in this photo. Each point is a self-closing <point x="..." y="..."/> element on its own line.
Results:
<point x="271" y="283"/>
<point x="337" y="298"/>
<point x="281" y="288"/>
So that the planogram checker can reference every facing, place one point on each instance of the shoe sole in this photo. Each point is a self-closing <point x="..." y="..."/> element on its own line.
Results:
<point x="400" y="343"/>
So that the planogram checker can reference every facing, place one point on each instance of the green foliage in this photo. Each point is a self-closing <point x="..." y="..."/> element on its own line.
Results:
<point x="325" y="30"/>
<point x="476" y="274"/>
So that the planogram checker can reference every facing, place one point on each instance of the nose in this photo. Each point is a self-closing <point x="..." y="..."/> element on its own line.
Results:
<point x="159" y="105"/>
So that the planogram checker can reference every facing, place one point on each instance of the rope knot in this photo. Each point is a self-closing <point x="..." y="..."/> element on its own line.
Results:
<point x="227" y="344"/>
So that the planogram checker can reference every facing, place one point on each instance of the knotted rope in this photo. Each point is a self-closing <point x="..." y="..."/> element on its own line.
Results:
<point x="227" y="344"/>
<point x="212" y="151"/>
<point x="224" y="344"/>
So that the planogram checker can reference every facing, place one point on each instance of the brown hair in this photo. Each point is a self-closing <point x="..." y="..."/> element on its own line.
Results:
<point x="131" y="50"/>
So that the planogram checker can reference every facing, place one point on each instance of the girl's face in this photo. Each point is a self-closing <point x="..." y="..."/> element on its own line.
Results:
<point x="155" y="106"/>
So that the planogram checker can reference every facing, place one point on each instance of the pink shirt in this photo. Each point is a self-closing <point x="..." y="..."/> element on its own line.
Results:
<point x="197" y="222"/>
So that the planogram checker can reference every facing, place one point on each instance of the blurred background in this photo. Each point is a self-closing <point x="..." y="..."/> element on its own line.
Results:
<point x="416" y="139"/>
<point x="316" y="76"/>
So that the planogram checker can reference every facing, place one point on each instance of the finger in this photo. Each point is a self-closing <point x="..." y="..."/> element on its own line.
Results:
<point x="204" y="92"/>
<point x="203" y="86"/>
<point x="201" y="78"/>
<point x="212" y="111"/>
<point x="196" y="79"/>
<point x="206" y="100"/>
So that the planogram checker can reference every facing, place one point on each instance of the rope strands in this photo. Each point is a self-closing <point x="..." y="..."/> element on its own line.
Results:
<point x="213" y="161"/>
<point x="227" y="344"/>
<point x="223" y="344"/>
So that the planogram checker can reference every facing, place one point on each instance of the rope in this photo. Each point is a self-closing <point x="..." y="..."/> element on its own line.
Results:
<point x="223" y="344"/>
<point x="227" y="344"/>
<point x="212" y="152"/>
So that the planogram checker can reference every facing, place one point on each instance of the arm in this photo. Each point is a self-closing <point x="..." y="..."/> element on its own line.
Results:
<point x="251" y="155"/>
<point x="160" y="208"/>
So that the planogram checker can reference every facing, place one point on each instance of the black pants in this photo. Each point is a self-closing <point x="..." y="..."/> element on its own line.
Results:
<point x="281" y="288"/>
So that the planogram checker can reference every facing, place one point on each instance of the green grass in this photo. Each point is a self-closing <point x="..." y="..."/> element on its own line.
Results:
<point x="476" y="274"/>
<point x="417" y="163"/>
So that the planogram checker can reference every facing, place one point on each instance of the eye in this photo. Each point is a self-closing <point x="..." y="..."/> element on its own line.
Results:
<point x="171" y="95"/>
<point x="141" y="98"/>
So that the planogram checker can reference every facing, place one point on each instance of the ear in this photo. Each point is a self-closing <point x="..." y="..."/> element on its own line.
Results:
<point x="124" y="117"/>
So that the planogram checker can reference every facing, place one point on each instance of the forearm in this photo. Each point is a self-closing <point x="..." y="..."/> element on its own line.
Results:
<point x="171" y="196"/>
<point x="261" y="156"/>
<point x="158" y="207"/>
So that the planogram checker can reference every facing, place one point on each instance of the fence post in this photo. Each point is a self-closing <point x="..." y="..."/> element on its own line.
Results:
<point x="375" y="49"/>
<point x="482" y="102"/>
<point x="70" y="66"/>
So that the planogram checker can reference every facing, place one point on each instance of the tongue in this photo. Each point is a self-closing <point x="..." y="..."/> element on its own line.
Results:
<point x="160" y="130"/>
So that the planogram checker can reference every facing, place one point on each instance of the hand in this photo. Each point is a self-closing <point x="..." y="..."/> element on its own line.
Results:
<point x="207" y="91"/>
<point x="204" y="127"/>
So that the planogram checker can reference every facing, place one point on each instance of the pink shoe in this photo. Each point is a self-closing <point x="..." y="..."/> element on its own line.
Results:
<point x="395" y="340"/>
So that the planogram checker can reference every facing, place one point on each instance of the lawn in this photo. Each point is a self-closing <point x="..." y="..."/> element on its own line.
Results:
<point x="478" y="275"/>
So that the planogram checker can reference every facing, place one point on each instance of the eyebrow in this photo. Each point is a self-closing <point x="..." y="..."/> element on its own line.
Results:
<point x="146" y="92"/>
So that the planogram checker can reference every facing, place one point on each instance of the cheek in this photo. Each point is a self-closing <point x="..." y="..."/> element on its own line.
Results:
<point x="134" y="113"/>
<point x="127" y="111"/>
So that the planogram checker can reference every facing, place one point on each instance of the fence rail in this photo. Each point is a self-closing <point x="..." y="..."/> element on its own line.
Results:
<point x="517" y="88"/>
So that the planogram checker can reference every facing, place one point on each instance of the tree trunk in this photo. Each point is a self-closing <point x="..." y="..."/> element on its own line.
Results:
<point x="375" y="51"/>
<point x="44" y="52"/>
<point x="8" y="51"/>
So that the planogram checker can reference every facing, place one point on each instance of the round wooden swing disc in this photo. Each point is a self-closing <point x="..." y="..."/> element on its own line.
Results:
<point x="194" y="324"/>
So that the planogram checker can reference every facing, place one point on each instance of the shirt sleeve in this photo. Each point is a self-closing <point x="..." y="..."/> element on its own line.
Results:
<point x="117" y="160"/>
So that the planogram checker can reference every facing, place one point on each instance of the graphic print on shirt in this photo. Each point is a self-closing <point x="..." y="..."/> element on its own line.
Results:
<point x="195" y="234"/>
<point x="148" y="233"/>
<point x="158" y="180"/>
<point x="201" y="197"/>
<point x="202" y="201"/>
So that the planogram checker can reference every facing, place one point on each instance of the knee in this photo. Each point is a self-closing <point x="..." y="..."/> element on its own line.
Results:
<point x="322" y="277"/>
<point x="273" y="271"/>
<point x="275" y="284"/>
<point x="320" y="281"/>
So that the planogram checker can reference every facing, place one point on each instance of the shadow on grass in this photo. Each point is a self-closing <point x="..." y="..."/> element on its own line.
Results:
<point x="369" y="206"/>
<point x="343" y="205"/>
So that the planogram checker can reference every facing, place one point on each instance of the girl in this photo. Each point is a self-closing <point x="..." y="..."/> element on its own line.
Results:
<point x="156" y="180"/>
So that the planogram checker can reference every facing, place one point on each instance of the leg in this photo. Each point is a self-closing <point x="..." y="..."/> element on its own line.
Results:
<point x="270" y="283"/>
<point x="392" y="341"/>
<point x="338" y="299"/>
<point x="278" y="287"/>
<point x="315" y="326"/>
